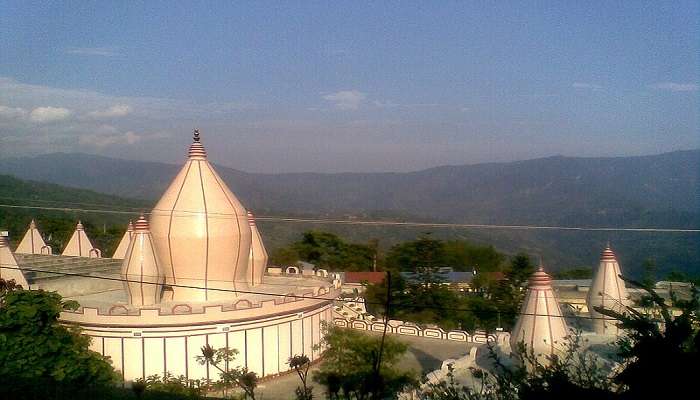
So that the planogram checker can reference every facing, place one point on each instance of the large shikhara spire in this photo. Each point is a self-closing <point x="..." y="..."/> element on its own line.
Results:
<point x="33" y="242"/>
<point x="201" y="232"/>
<point x="9" y="270"/>
<point x="540" y="326"/>
<point x="607" y="291"/>
<point x="80" y="245"/>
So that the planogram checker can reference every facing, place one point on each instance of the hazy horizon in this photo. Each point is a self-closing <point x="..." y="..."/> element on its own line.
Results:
<point x="179" y="162"/>
<point x="319" y="87"/>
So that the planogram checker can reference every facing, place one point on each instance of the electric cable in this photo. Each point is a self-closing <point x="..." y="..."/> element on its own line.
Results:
<point x="9" y="266"/>
<point x="273" y="218"/>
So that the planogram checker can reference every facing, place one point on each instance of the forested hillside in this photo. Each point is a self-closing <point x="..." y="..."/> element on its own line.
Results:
<point x="660" y="191"/>
<point x="57" y="210"/>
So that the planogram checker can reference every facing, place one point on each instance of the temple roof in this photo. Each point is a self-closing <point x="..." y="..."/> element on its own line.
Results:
<point x="9" y="269"/>
<point x="80" y="244"/>
<point x="120" y="252"/>
<point x="33" y="242"/>
<point x="141" y="268"/>
<point x="540" y="325"/>
<point x="258" y="254"/>
<point x="200" y="230"/>
<point x="608" y="291"/>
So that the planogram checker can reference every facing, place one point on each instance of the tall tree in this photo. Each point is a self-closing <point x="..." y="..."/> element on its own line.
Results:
<point x="348" y="368"/>
<point x="41" y="357"/>
<point x="329" y="251"/>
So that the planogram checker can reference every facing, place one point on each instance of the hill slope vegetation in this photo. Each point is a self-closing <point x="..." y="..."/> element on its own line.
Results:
<point x="649" y="191"/>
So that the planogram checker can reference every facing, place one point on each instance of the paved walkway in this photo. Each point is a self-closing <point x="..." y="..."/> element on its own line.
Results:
<point x="423" y="356"/>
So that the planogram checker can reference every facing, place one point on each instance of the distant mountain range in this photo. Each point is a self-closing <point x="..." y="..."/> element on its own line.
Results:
<point x="647" y="191"/>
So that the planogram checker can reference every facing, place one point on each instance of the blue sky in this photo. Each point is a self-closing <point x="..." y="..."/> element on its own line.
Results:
<point x="333" y="86"/>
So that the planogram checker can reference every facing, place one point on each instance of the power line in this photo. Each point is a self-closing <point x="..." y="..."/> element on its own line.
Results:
<point x="26" y="199"/>
<point x="9" y="266"/>
<point x="273" y="218"/>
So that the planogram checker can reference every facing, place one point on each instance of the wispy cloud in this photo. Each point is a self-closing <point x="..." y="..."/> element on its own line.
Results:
<point x="675" y="86"/>
<point x="38" y="118"/>
<point x="115" y="111"/>
<point x="586" y="85"/>
<point x="93" y="51"/>
<point x="43" y="115"/>
<point x="346" y="99"/>
<point x="385" y="104"/>
<point x="7" y="113"/>
<point x="101" y="140"/>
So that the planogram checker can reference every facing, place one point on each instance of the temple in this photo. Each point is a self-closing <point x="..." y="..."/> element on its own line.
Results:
<point x="540" y="327"/>
<point x="257" y="261"/>
<point x="33" y="242"/>
<point x="607" y="291"/>
<point x="9" y="269"/>
<point x="193" y="272"/>
<point x="120" y="251"/>
<point x="80" y="245"/>
<point x="201" y="232"/>
<point x="142" y="271"/>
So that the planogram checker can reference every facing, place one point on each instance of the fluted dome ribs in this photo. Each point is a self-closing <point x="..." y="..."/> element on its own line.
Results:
<point x="141" y="268"/>
<point x="201" y="232"/>
<point x="540" y="325"/>
<point x="607" y="291"/>
<point x="123" y="245"/>
<point x="258" y="254"/>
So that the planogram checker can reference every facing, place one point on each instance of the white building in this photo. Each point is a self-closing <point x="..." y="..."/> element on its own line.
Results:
<point x="540" y="326"/>
<point x="607" y="291"/>
<point x="188" y="283"/>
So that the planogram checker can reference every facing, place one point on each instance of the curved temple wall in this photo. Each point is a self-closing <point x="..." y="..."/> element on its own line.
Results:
<point x="147" y="342"/>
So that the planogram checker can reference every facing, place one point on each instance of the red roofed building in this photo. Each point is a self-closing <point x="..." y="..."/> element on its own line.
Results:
<point x="357" y="280"/>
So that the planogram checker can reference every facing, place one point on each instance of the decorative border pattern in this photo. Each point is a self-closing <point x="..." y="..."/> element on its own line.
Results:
<point x="409" y="329"/>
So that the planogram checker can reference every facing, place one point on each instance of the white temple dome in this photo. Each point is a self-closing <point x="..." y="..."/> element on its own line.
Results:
<point x="258" y="254"/>
<point x="120" y="251"/>
<point x="540" y="326"/>
<point x="141" y="268"/>
<point x="608" y="291"/>
<point x="201" y="232"/>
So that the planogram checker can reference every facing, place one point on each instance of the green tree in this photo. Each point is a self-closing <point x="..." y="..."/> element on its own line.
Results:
<point x="519" y="270"/>
<point x="229" y="378"/>
<point x="41" y="357"/>
<point x="464" y="256"/>
<point x="425" y="252"/>
<point x="661" y="355"/>
<point x="649" y="272"/>
<point x="301" y="364"/>
<point x="348" y="367"/>
<point x="507" y="294"/>
<point x="680" y="276"/>
<point x="170" y="387"/>
<point x="574" y="273"/>
<point x="658" y="359"/>
<point x="284" y="256"/>
<point x="329" y="251"/>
